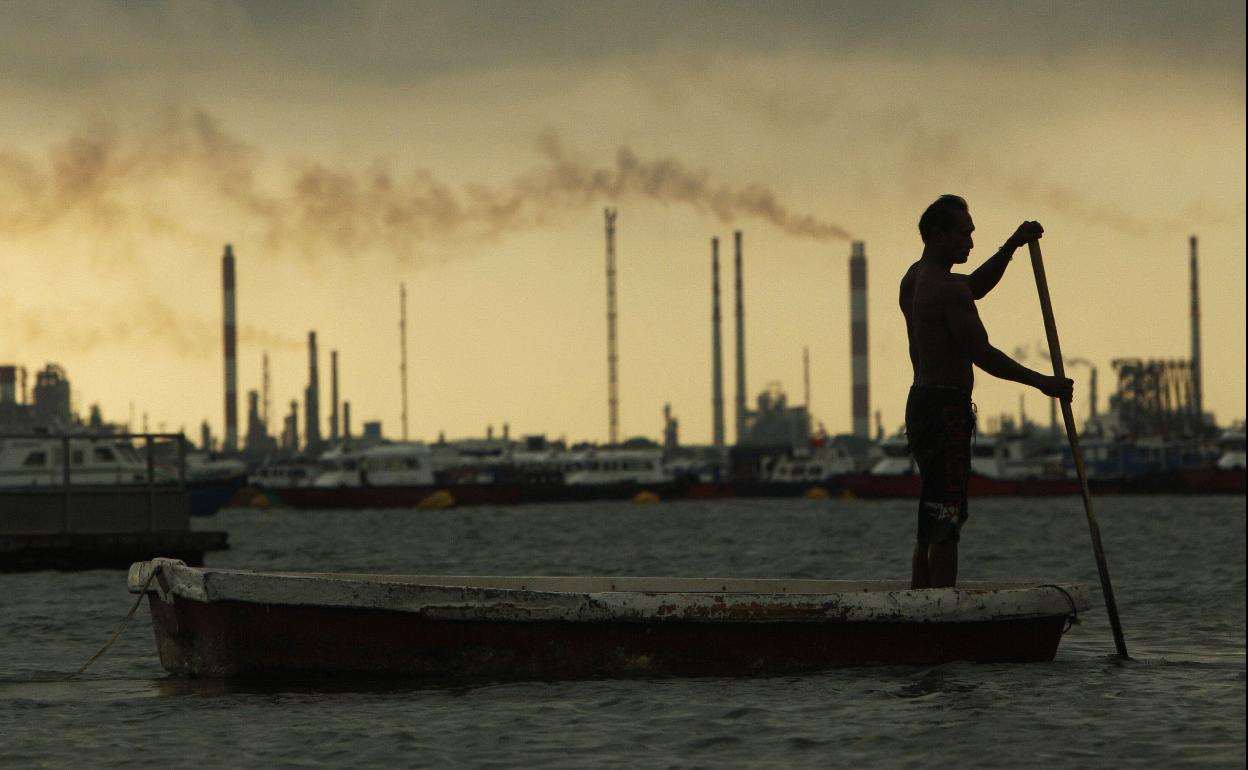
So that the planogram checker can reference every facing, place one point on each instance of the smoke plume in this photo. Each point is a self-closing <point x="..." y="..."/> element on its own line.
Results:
<point x="93" y="327"/>
<point x="115" y="181"/>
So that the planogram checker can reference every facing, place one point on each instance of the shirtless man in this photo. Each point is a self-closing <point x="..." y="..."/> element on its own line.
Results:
<point x="946" y="338"/>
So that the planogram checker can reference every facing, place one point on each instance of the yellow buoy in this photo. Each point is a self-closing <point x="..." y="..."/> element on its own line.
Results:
<point x="817" y="493"/>
<point x="437" y="500"/>
<point x="645" y="497"/>
<point x="259" y="502"/>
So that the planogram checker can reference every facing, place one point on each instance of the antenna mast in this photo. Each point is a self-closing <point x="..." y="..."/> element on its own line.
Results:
<point x="613" y="395"/>
<point x="403" y="351"/>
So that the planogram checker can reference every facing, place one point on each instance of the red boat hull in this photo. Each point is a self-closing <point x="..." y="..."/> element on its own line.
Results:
<point x="1216" y="481"/>
<point x="242" y="640"/>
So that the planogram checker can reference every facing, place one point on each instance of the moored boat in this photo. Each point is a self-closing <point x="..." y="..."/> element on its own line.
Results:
<point x="218" y="623"/>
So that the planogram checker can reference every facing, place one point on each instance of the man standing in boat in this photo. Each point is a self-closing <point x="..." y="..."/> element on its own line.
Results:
<point x="947" y="338"/>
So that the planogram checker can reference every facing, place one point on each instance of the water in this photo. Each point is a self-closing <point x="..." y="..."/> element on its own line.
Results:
<point x="1177" y="566"/>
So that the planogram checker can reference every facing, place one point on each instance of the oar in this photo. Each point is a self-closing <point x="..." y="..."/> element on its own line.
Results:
<point x="1055" y="350"/>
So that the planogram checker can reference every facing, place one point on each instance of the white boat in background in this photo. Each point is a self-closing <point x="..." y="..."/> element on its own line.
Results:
<point x="39" y="461"/>
<point x="893" y="457"/>
<point x="283" y="475"/>
<point x="201" y="466"/>
<point x="616" y="466"/>
<point x="1231" y="451"/>
<point x="381" y="465"/>
<point x="992" y="457"/>
<point x="823" y="463"/>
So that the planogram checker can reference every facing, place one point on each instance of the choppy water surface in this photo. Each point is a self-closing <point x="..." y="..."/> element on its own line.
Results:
<point x="1177" y="566"/>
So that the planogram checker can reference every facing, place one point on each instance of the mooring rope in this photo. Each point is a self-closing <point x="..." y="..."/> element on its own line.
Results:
<point x="120" y="627"/>
<point x="1073" y="617"/>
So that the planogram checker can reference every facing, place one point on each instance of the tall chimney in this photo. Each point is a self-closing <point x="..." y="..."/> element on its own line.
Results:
<point x="333" y="392"/>
<point x="255" y="428"/>
<point x="292" y="425"/>
<point x="613" y="393"/>
<point x="403" y="352"/>
<point x="312" y="411"/>
<point x="8" y="384"/>
<point x="1197" y="388"/>
<point x="1092" y="393"/>
<point x="717" y="353"/>
<point x="740" y="314"/>
<point x="231" y="368"/>
<point x="264" y="386"/>
<point x="346" y="419"/>
<point x="858" y="339"/>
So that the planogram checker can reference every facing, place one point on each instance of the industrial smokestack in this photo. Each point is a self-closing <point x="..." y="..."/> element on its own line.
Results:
<point x="1197" y="390"/>
<point x="292" y="427"/>
<point x="264" y="403"/>
<point x="346" y="419"/>
<point x="8" y="384"/>
<point x="717" y="353"/>
<point x="740" y="314"/>
<point x="255" y="428"/>
<point x="613" y="393"/>
<point x="1092" y="393"/>
<point x="403" y="352"/>
<point x="231" y="366"/>
<point x="858" y="339"/>
<point x="333" y="392"/>
<point x="312" y="411"/>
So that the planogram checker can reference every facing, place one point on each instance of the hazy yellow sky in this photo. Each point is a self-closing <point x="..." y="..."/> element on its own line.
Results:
<point x="467" y="149"/>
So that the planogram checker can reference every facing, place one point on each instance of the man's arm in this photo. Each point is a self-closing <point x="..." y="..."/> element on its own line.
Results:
<point x="988" y="275"/>
<point x="969" y="332"/>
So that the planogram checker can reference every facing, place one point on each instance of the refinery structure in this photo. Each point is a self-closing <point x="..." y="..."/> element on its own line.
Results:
<point x="1157" y="399"/>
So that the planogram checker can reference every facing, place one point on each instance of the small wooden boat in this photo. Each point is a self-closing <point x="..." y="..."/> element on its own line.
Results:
<point x="220" y="623"/>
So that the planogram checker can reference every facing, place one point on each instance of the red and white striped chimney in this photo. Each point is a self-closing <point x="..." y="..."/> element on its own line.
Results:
<point x="858" y="338"/>
<point x="231" y="366"/>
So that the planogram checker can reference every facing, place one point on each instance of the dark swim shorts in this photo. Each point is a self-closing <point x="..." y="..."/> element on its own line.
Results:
<point x="940" y="422"/>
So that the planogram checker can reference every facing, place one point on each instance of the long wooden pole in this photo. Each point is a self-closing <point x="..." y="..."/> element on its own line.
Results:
<point x="1055" y="351"/>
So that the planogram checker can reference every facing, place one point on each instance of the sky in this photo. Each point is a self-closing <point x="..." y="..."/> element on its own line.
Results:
<point x="467" y="151"/>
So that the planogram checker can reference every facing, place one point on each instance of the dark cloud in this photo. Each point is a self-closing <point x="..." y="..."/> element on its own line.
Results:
<point x="399" y="41"/>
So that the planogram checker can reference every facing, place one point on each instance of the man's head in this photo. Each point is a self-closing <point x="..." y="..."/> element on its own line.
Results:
<point x="946" y="228"/>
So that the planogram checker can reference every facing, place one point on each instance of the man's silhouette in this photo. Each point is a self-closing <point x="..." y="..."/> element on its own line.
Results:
<point x="946" y="339"/>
